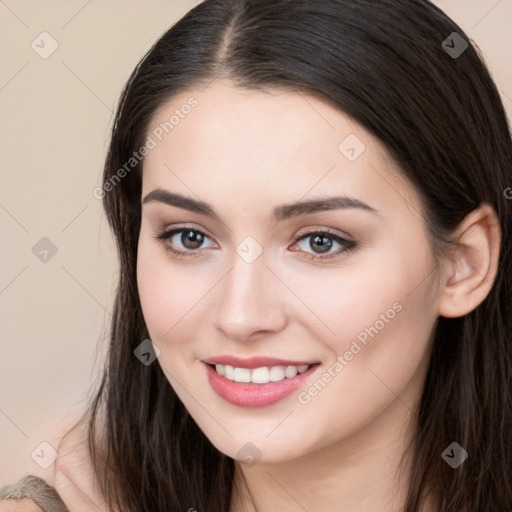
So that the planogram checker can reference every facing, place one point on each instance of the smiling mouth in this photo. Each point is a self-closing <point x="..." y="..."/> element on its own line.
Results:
<point x="264" y="391"/>
<point x="261" y="375"/>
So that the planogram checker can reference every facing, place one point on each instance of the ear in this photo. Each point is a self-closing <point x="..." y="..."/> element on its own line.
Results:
<point x="471" y="271"/>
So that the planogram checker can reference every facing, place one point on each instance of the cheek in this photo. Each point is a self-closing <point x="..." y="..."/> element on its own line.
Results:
<point x="161" y="291"/>
<point x="383" y="325"/>
<point x="376" y="311"/>
<point x="172" y="295"/>
<point x="379" y="352"/>
<point x="338" y="303"/>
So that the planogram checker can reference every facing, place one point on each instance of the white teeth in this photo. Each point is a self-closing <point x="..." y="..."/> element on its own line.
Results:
<point x="229" y="372"/>
<point x="242" y="375"/>
<point x="276" y="373"/>
<point x="290" y="371"/>
<point x="261" y="375"/>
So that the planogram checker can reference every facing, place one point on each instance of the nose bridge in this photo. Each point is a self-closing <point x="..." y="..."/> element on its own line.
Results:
<point x="249" y="300"/>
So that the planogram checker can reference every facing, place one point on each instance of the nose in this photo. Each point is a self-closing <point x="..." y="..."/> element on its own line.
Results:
<point x="250" y="301"/>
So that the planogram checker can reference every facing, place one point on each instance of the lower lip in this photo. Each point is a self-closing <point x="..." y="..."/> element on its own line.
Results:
<point x="248" y="394"/>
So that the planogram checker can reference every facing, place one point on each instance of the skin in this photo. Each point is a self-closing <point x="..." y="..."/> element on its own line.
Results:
<point x="24" y="505"/>
<point x="246" y="152"/>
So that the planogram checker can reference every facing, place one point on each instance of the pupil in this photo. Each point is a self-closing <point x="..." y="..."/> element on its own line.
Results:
<point x="192" y="239"/>
<point x="323" y="242"/>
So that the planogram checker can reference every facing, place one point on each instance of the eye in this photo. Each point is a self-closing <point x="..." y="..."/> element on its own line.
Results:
<point x="321" y="242"/>
<point x="190" y="240"/>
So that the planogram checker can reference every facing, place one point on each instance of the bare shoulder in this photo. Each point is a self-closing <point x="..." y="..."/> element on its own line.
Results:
<point x="24" y="505"/>
<point x="74" y="477"/>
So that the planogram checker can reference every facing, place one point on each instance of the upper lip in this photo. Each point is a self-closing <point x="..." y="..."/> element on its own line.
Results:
<point x="254" y="362"/>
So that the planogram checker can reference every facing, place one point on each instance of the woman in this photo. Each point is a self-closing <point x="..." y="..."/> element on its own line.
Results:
<point x="310" y="205"/>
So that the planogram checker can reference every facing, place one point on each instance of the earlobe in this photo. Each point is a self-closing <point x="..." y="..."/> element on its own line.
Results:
<point x="471" y="271"/>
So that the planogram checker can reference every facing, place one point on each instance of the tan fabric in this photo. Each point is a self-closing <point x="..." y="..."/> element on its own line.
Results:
<point x="35" y="488"/>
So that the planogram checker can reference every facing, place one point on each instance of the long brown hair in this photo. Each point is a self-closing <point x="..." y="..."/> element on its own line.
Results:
<point x="441" y="118"/>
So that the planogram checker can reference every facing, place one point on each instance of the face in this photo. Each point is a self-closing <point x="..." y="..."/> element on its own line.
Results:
<point x="345" y="290"/>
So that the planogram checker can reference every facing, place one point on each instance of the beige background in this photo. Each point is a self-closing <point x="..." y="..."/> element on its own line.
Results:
<point x="56" y="115"/>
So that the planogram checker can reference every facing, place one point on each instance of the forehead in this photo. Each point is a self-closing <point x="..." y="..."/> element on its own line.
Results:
<point x="224" y="140"/>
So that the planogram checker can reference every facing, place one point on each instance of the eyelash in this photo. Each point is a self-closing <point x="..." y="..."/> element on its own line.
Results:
<point x="348" y="245"/>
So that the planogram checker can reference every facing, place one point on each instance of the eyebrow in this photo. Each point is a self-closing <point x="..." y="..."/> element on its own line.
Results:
<point x="280" y="213"/>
